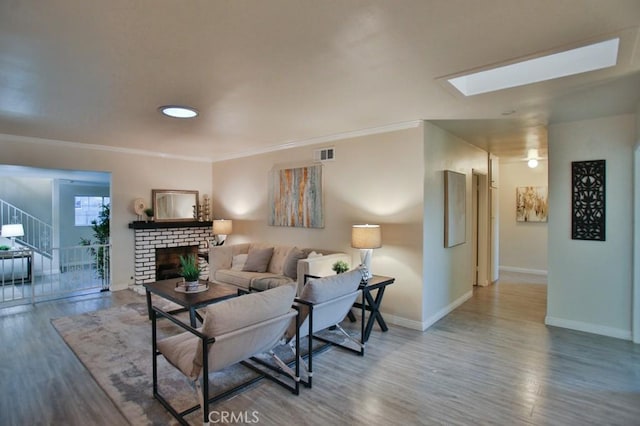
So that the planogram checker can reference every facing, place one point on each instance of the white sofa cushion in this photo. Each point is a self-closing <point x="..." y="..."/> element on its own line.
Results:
<point x="258" y="259"/>
<point x="280" y="254"/>
<point x="240" y="279"/>
<point x="238" y="261"/>
<point x="290" y="268"/>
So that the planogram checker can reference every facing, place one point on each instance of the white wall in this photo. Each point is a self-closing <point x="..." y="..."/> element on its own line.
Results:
<point x="374" y="179"/>
<point x="31" y="194"/>
<point x="590" y="282"/>
<point x="133" y="176"/>
<point x="523" y="245"/>
<point x="448" y="280"/>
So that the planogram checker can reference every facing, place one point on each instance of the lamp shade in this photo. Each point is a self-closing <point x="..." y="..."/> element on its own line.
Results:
<point x="366" y="236"/>
<point x="222" y="227"/>
<point x="13" y="230"/>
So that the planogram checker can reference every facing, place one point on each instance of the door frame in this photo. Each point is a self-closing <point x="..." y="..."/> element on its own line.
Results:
<point x="481" y="224"/>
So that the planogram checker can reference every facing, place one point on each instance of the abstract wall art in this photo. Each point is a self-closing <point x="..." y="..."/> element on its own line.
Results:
<point x="532" y="204"/>
<point x="588" y="179"/>
<point x="295" y="197"/>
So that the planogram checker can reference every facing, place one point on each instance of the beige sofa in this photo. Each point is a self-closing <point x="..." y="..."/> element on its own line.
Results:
<point x="244" y="265"/>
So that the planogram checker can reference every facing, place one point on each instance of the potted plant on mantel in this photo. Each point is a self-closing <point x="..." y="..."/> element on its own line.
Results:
<point x="149" y="213"/>
<point x="190" y="272"/>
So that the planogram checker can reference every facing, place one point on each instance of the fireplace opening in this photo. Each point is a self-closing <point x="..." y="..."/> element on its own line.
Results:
<point x="168" y="261"/>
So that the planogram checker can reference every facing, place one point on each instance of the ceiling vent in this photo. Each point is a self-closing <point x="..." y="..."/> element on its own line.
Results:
<point x="324" y="154"/>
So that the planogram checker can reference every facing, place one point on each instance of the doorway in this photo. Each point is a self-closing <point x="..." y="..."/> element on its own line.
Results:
<point x="58" y="236"/>
<point x="480" y="229"/>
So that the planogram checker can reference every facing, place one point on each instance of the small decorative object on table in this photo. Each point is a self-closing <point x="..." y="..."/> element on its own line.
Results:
<point x="190" y="272"/>
<point x="205" y="209"/>
<point x="149" y="213"/>
<point x="138" y="207"/>
<point x="340" y="266"/>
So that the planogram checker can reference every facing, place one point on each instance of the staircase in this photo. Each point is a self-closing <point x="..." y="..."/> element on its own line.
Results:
<point x="37" y="234"/>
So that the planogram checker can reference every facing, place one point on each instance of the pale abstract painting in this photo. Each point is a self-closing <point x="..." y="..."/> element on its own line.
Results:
<point x="532" y="204"/>
<point x="295" y="197"/>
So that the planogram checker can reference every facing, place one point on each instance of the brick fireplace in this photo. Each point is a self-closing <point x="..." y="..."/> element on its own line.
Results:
<point x="156" y="235"/>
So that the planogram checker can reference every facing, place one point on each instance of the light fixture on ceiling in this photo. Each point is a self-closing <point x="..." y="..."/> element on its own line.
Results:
<point x="570" y="62"/>
<point x="532" y="158"/>
<point x="178" y="111"/>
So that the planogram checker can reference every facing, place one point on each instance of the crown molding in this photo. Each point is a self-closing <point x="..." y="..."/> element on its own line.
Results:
<point x="324" y="139"/>
<point x="94" y="147"/>
<point x="287" y="145"/>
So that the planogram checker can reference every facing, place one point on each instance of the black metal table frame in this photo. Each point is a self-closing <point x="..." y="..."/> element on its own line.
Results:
<point x="371" y="304"/>
<point x="17" y="254"/>
<point x="187" y="306"/>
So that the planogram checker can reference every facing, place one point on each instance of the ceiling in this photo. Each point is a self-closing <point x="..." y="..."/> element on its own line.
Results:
<point x="267" y="74"/>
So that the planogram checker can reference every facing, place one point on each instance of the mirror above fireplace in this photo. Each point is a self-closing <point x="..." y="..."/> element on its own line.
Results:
<point x="170" y="205"/>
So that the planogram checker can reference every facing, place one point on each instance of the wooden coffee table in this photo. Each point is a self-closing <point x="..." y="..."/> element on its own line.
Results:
<point x="189" y="301"/>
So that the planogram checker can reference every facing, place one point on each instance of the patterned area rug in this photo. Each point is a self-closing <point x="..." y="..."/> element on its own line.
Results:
<point x="115" y="346"/>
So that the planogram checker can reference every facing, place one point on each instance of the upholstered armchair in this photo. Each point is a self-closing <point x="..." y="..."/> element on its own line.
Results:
<point x="233" y="332"/>
<point x="324" y="303"/>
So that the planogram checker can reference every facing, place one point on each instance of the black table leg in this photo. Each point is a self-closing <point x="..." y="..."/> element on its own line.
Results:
<point x="149" y="303"/>
<point x="192" y="317"/>
<point x="375" y="314"/>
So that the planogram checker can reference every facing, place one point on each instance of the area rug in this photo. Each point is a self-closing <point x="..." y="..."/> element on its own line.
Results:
<point x="115" y="346"/>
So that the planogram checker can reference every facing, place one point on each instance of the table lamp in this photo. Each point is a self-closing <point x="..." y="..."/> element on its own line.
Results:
<point x="222" y="228"/>
<point x="12" y="231"/>
<point x="366" y="238"/>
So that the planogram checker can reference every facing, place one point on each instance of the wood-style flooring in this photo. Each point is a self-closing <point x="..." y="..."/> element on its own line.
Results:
<point x="491" y="361"/>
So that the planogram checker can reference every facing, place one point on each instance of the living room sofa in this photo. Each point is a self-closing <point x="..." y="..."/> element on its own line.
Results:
<point x="261" y="266"/>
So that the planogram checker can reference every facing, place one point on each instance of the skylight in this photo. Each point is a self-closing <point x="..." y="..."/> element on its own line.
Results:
<point x="587" y="58"/>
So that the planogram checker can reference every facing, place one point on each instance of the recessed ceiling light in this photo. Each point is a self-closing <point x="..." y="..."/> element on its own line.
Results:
<point x="532" y="158"/>
<point x="178" y="111"/>
<point x="587" y="58"/>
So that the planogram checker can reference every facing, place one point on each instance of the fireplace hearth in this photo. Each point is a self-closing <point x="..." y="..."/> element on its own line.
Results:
<point x="168" y="260"/>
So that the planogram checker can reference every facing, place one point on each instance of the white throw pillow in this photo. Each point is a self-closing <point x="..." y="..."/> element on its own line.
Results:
<point x="238" y="261"/>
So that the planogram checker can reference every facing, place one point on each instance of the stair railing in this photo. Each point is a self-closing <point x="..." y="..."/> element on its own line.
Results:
<point x="37" y="234"/>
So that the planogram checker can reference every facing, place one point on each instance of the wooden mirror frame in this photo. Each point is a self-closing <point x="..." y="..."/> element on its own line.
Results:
<point x="182" y="213"/>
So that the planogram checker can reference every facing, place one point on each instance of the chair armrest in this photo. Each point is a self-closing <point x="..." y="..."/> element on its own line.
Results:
<point x="220" y="257"/>
<point x="157" y="311"/>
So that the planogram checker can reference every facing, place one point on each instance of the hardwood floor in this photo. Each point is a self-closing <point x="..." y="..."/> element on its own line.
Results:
<point x="491" y="361"/>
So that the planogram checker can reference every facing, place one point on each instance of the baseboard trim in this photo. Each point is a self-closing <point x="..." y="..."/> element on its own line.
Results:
<point x="402" y="322"/>
<point x="588" y="327"/>
<point x="423" y="325"/>
<point x="523" y="270"/>
<point x="446" y="310"/>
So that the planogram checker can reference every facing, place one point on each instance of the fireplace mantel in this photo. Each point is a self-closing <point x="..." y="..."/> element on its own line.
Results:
<point x="140" y="224"/>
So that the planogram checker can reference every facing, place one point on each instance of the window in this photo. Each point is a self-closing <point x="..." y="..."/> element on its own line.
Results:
<point x="88" y="208"/>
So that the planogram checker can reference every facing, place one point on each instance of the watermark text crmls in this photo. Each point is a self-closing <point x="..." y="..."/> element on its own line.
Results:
<point x="226" y="417"/>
